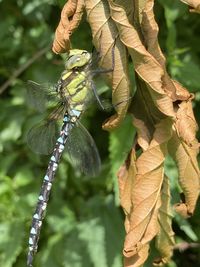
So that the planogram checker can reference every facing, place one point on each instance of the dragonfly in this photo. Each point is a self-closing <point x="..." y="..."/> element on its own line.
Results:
<point x="69" y="98"/>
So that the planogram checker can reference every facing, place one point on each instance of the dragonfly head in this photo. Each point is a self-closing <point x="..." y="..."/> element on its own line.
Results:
<point x="77" y="58"/>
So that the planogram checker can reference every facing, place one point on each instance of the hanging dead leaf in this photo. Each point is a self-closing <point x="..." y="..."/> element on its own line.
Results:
<point x="144" y="192"/>
<point x="165" y="238"/>
<point x="186" y="125"/>
<point x="150" y="34"/>
<point x="189" y="176"/>
<point x="146" y="117"/>
<point x="126" y="176"/>
<point x="146" y="66"/>
<point x="181" y="92"/>
<point x="70" y="18"/>
<point x="106" y="41"/>
<point x="138" y="259"/>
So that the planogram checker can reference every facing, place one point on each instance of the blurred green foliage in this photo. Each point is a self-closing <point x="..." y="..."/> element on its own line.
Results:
<point x="84" y="223"/>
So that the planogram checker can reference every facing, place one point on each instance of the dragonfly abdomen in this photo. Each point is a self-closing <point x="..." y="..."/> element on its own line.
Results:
<point x="73" y="92"/>
<point x="68" y="122"/>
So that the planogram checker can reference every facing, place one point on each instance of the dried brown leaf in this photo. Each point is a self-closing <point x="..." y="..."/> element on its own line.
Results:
<point x="143" y="132"/>
<point x="150" y="35"/>
<point x="189" y="176"/>
<point x="146" y="66"/>
<point x="143" y="207"/>
<point x="184" y="148"/>
<point x="145" y="114"/>
<point x="186" y="125"/>
<point x="126" y="176"/>
<point x="105" y="37"/>
<point x="165" y="238"/>
<point x="70" y="18"/>
<point x="138" y="259"/>
<point x="181" y="92"/>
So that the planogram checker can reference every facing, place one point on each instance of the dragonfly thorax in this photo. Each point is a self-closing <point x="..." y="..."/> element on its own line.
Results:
<point x="74" y="85"/>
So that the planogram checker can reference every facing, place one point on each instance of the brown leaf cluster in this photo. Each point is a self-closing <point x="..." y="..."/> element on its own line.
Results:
<point x="162" y="115"/>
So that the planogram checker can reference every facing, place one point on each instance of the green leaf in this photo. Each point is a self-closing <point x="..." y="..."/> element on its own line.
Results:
<point x="186" y="227"/>
<point x="11" y="242"/>
<point x="103" y="233"/>
<point x="75" y="253"/>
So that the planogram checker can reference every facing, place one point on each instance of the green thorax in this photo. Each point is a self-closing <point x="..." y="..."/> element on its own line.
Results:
<point x="74" y="82"/>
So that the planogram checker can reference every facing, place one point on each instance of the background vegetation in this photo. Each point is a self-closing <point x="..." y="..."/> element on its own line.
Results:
<point x="84" y="224"/>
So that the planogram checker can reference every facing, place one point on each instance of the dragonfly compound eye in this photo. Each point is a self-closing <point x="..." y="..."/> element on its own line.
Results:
<point x="77" y="58"/>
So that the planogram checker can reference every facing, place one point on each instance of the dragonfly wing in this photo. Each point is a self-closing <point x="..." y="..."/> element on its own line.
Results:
<point x="82" y="151"/>
<point x="42" y="137"/>
<point x="38" y="95"/>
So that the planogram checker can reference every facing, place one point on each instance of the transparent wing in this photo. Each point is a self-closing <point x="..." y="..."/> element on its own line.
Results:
<point x="42" y="137"/>
<point x="38" y="95"/>
<point x="82" y="151"/>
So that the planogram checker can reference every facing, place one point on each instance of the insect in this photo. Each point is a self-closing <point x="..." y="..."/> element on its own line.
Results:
<point x="72" y="95"/>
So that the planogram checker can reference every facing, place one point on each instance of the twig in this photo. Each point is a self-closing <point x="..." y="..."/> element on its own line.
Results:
<point x="22" y="68"/>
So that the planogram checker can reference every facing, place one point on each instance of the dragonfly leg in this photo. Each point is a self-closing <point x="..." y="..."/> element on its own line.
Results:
<point x="96" y="94"/>
<point x="99" y="70"/>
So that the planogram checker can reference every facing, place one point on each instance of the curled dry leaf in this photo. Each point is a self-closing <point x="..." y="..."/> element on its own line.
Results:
<point x="146" y="117"/>
<point x="149" y="29"/>
<point x="137" y="260"/>
<point x="70" y="18"/>
<point x="106" y="41"/>
<point x="193" y="4"/>
<point x="146" y="66"/>
<point x="186" y="125"/>
<point x="181" y="92"/>
<point x="184" y="148"/>
<point x="142" y="179"/>
<point x="126" y="176"/>
<point x="165" y="238"/>
<point x="189" y="176"/>
<point x="150" y="34"/>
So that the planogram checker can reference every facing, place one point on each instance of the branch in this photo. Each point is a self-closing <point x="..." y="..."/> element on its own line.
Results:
<point x="22" y="68"/>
